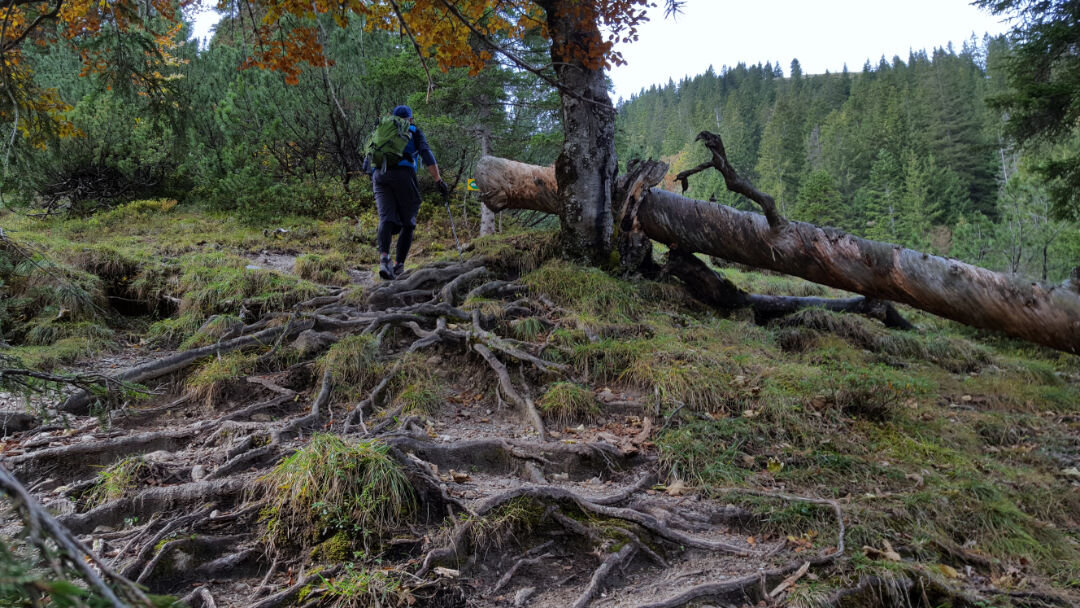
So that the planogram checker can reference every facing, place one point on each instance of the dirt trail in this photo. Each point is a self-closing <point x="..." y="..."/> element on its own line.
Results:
<point x="188" y="521"/>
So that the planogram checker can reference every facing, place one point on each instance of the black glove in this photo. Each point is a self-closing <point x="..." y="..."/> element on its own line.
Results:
<point x="442" y="187"/>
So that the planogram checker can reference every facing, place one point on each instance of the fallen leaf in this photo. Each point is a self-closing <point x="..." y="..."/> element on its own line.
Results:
<point x="886" y="553"/>
<point x="447" y="572"/>
<point x="459" y="476"/>
<point x="774" y="465"/>
<point x="678" y="488"/>
<point x="750" y="540"/>
<point x="889" y="553"/>
<point x="948" y="571"/>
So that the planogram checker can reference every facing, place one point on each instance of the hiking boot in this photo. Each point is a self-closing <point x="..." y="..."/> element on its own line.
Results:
<point x="386" y="272"/>
<point x="399" y="269"/>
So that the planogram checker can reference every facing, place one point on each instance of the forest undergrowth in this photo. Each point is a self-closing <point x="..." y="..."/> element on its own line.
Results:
<point x="511" y="429"/>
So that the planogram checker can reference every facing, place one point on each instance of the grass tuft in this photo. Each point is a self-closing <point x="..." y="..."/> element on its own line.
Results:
<point x="517" y="252"/>
<point x="353" y="363"/>
<point x="329" y="269"/>
<point x="170" y="333"/>
<point x="221" y="283"/>
<point x="212" y="331"/>
<point x="360" y="588"/>
<point x="875" y="392"/>
<point x="98" y="337"/>
<point x="416" y="387"/>
<point x="513" y="520"/>
<point x="332" y="486"/>
<point x="61" y="352"/>
<point x="116" y="480"/>
<point x="588" y="291"/>
<point x="565" y="402"/>
<point x="209" y="381"/>
<point x="528" y="329"/>
<point x="797" y="333"/>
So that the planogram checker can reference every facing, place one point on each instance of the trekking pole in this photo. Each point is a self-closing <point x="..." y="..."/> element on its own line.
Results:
<point x="446" y="200"/>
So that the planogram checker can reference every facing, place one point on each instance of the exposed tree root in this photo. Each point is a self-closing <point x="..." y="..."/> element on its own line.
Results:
<point x="749" y="586"/>
<point x="521" y="563"/>
<point x="153" y="500"/>
<point x="613" y="561"/>
<point x="80" y="402"/>
<point x="505" y="456"/>
<point x="191" y="544"/>
<point x="634" y="532"/>
<point x="286" y="596"/>
<point x="713" y="289"/>
<point x="81" y="456"/>
<point x="246" y="459"/>
<point x="137" y="565"/>
<point x="506" y="385"/>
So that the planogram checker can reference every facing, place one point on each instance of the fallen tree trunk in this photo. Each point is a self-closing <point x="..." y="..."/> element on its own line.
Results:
<point x="1032" y="311"/>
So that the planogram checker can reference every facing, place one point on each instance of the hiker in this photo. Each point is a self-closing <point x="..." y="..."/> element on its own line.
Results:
<point x="397" y="194"/>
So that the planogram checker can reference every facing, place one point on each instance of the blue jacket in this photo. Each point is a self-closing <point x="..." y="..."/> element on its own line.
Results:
<point x="417" y="147"/>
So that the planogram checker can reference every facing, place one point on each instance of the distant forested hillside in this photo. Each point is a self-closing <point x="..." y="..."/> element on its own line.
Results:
<point x="907" y="151"/>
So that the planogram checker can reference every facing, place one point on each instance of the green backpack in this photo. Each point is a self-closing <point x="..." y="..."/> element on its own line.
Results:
<point x="386" y="146"/>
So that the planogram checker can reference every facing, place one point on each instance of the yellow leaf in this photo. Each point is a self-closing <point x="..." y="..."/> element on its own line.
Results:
<point x="948" y="571"/>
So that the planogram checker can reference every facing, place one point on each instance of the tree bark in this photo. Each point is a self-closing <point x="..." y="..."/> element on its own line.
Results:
<point x="586" y="166"/>
<point x="1032" y="311"/>
<point x="487" y="216"/>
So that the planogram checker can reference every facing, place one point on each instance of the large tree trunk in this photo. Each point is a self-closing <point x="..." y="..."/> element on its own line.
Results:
<point x="586" y="167"/>
<point x="1048" y="315"/>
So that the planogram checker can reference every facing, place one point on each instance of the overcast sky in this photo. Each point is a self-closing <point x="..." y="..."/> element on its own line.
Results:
<point x="821" y="34"/>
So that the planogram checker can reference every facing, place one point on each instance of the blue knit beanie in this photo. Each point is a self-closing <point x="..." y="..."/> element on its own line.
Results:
<point x="403" y="111"/>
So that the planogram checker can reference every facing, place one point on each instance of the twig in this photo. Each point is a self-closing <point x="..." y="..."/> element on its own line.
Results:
<point x="416" y="45"/>
<point x="789" y="581"/>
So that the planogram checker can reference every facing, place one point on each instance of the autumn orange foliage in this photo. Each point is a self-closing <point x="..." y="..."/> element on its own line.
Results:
<point x="286" y="36"/>
<point x="36" y="110"/>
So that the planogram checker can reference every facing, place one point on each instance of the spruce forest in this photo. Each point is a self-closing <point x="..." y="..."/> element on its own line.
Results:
<point x="752" y="338"/>
<point x="906" y="150"/>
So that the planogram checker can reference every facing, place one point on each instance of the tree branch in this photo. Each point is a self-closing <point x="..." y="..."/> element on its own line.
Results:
<point x="416" y="45"/>
<point x="735" y="182"/>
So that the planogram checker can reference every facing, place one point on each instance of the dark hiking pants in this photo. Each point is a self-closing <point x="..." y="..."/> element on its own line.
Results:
<point x="397" y="197"/>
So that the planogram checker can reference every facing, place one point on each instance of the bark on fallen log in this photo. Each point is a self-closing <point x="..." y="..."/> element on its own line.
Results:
<point x="1039" y="313"/>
